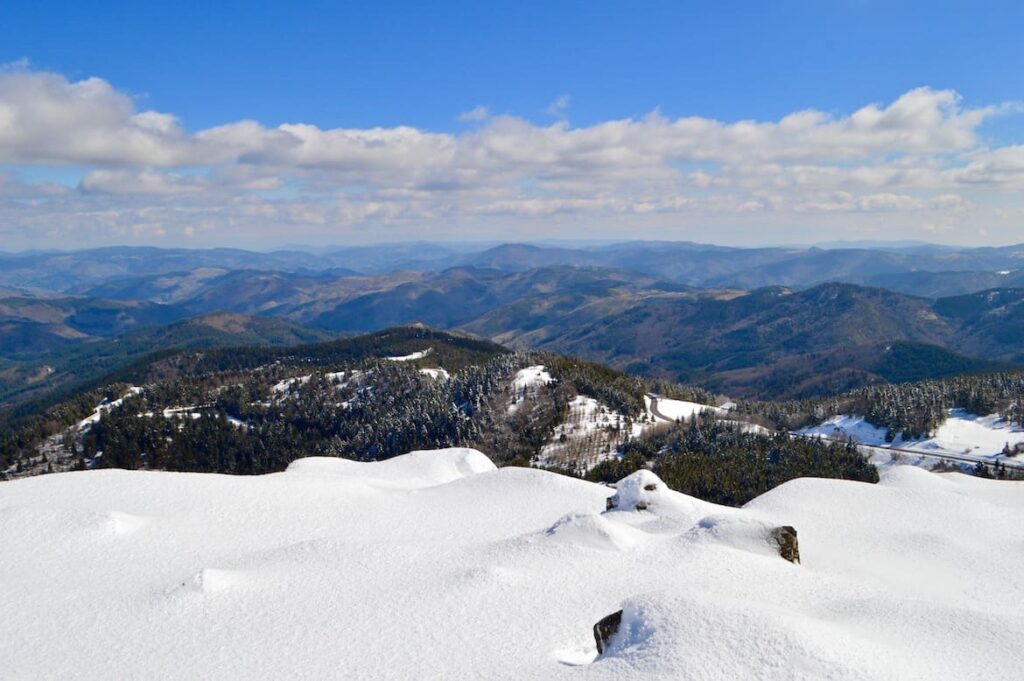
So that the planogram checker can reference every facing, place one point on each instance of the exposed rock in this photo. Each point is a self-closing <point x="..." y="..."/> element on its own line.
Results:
<point x="605" y="629"/>
<point x="785" y="541"/>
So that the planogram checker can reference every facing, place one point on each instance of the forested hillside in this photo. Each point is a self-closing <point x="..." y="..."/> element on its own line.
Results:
<point x="38" y="370"/>
<point x="254" y="410"/>
<point x="908" y="410"/>
<point x="770" y="323"/>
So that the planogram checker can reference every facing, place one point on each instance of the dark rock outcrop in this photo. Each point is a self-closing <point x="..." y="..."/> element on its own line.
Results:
<point x="605" y="629"/>
<point x="784" y="539"/>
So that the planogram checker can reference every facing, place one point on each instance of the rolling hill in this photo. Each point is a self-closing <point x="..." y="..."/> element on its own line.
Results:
<point x="65" y="368"/>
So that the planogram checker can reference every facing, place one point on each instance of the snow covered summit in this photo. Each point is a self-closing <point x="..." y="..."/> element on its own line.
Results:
<point x="437" y="565"/>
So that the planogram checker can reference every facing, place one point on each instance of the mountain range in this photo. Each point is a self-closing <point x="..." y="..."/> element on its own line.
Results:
<point x="768" y="322"/>
<point x="687" y="263"/>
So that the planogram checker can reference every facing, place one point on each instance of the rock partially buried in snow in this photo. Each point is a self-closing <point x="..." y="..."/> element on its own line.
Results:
<point x="784" y="538"/>
<point x="605" y="629"/>
<point x="748" y="533"/>
<point x="636" y="492"/>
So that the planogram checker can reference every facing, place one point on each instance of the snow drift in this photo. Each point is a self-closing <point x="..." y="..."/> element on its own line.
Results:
<point x="436" y="565"/>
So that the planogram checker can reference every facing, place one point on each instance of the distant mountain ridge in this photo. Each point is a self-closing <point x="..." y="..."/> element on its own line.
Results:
<point x="677" y="310"/>
<point x="37" y="368"/>
<point x="689" y="263"/>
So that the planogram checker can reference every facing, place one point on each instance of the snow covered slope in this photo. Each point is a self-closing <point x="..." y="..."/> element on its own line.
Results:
<point x="978" y="438"/>
<point x="436" y="565"/>
<point x="662" y="410"/>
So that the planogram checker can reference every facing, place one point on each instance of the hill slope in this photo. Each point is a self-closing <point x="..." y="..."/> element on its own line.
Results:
<point x="770" y="343"/>
<point x="85" y="360"/>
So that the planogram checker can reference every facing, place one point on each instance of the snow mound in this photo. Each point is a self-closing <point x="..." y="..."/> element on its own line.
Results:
<point x="738" y="531"/>
<point x="644" y="491"/>
<point x="594" y="531"/>
<point x="375" y="571"/>
<point x="415" y="469"/>
<point x="685" y="638"/>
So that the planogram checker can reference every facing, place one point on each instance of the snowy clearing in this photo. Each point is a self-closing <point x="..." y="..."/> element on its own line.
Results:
<point x="530" y="377"/>
<point x="591" y="433"/>
<point x="663" y="410"/>
<point x="435" y="565"/>
<point x="526" y="381"/>
<point x="980" y="438"/>
<point x="437" y="374"/>
<point x="105" y="406"/>
<point x="409" y="358"/>
<point x="285" y="386"/>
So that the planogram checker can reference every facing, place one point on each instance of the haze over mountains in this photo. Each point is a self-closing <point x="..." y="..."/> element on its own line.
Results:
<point x="688" y="263"/>
<point x="751" y="322"/>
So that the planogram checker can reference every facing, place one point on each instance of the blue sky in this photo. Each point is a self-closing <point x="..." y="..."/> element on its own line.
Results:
<point x="578" y="64"/>
<point x="421" y="63"/>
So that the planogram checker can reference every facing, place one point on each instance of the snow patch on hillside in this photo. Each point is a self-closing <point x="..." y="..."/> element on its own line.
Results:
<point x="530" y="377"/>
<point x="436" y="374"/>
<point x="106" y="406"/>
<point x="593" y="432"/>
<point x="436" y="565"/>
<point x="980" y="438"/>
<point x="525" y="382"/>
<point x="590" y="433"/>
<point x="411" y="357"/>
<point x="846" y="427"/>
<point x="284" y="387"/>
<point x="662" y="410"/>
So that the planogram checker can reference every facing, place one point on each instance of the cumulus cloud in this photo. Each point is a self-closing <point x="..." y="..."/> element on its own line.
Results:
<point x="46" y="119"/>
<point x="919" y="155"/>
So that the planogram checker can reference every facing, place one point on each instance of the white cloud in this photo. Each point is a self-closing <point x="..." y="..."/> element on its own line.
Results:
<point x="477" y="113"/>
<point x="916" y="156"/>
<point x="140" y="182"/>
<point x="559" y="106"/>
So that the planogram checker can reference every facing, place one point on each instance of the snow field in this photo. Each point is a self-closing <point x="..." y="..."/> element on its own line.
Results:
<point x="592" y="433"/>
<point x="437" y="374"/>
<point x="663" y="410"/>
<point x="436" y="565"/>
<point x="980" y="438"/>
<point x="411" y="357"/>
